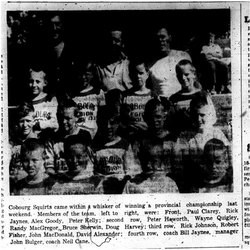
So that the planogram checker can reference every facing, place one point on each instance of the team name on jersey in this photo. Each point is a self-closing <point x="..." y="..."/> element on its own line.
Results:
<point x="42" y="114"/>
<point x="86" y="105"/>
<point x="113" y="159"/>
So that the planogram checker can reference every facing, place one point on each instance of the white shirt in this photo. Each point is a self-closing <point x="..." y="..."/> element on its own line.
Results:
<point x="163" y="75"/>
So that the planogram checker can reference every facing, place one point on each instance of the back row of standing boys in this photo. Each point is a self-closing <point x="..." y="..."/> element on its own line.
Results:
<point x="121" y="137"/>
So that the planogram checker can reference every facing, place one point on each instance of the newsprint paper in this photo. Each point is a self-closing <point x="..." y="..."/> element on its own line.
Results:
<point x="125" y="125"/>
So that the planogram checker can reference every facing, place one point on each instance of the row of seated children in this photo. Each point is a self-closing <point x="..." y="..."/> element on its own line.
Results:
<point x="197" y="160"/>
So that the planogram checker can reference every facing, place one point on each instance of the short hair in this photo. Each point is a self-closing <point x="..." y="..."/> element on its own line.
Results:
<point x="184" y="63"/>
<point x="135" y="61"/>
<point x="153" y="103"/>
<point x="24" y="109"/>
<point x="214" y="144"/>
<point x="32" y="144"/>
<point x="138" y="60"/>
<point x="38" y="68"/>
<point x="193" y="69"/>
<point x="200" y="100"/>
<point x="67" y="104"/>
<point x="83" y="138"/>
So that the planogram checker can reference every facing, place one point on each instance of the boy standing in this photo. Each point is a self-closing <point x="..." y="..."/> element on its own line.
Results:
<point x="187" y="77"/>
<point x="45" y="105"/>
<point x="134" y="101"/>
<point x="89" y="100"/>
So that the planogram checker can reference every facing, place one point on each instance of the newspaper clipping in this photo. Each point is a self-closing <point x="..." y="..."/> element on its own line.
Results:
<point x="125" y="125"/>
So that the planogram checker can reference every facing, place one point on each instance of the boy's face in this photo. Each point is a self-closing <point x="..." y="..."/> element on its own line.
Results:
<point x="141" y="75"/>
<point x="202" y="117"/>
<point x="215" y="166"/>
<point x="186" y="77"/>
<point x="25" y="124"/>
<point x="69" y="119"/>
<point x="86" y="78"/>
<point x="33" y="162"/>
<point x="111" y="127"/>
<point x="158" y="118"/>
<point x="77" y="158"/>
<point x="37" y="82"/>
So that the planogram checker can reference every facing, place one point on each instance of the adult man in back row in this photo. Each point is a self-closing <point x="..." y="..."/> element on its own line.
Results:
<point x="113" y="71"/>
<point x="162" y="72"/>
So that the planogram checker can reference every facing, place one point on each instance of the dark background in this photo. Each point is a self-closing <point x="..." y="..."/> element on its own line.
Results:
<point x="86" y="32"/>
<point x="91" y="27"/>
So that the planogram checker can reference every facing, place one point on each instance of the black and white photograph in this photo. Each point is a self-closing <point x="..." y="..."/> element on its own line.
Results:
<point x="119" y="101"/>
<point x="125" y="125"/>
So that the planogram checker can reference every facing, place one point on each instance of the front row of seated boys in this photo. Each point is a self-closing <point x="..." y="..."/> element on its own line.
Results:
<point x="70" y="162"/>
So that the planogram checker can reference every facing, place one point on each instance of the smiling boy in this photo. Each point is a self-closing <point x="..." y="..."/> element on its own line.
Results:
<point x="37" y="181"/>
<point x="187" y="77"/>
<point x="25" y="120"/>
<point x="45" y="105"/>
